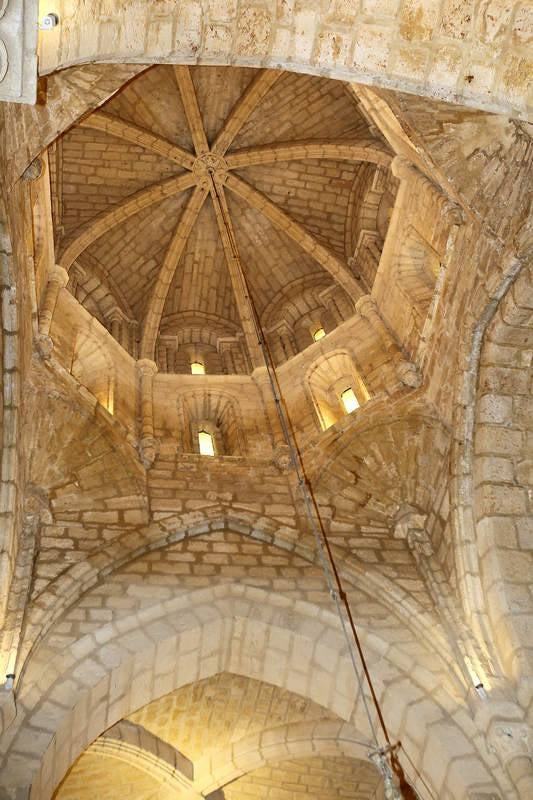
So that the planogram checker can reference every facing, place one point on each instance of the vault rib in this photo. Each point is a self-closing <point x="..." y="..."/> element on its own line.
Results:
<point x="192" y="111"/>
<point x="128" y="132"/>
<point x="154" y="312"/>
<point x="333" y="149"/>
<point x="119" y="213"/>
<point x="229" y="244"/>
<point x="240" y="112"/>
<point x="336" y="268"/>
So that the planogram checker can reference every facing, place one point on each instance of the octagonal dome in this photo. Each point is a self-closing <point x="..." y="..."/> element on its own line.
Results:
<point x="189" y="179"/>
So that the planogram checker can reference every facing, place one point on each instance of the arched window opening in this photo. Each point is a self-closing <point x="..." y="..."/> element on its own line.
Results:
<point x="318" y="334"/>
<point x="349" y="400"/>
<point x="336" y="388"/>
<point x="206" y="444"/>
<point x="197" y="368"/>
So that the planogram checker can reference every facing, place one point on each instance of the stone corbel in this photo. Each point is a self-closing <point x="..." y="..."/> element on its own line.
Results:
<point x="148" y="444"/>
<point x="510" y="740"/>
<point x="412" y="528"/>
<point x="33" y="171"/>
<point x="405" y="170"/>
<point x="57" y="280"/>
<point x="282" y="458"/>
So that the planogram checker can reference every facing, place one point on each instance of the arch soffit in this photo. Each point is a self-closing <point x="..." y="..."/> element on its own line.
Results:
<point x="227" y="628"/>
<point x="79" y="579"/>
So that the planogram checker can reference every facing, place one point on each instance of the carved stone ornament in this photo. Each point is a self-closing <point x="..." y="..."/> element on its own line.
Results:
<point x="34" y="170"/>
<point x="509" y="738"/>
<point x="408" y="374"/>
<point x="282" y="458"/>
<point x="148" y="451"/>
<point x="18" y="50"/>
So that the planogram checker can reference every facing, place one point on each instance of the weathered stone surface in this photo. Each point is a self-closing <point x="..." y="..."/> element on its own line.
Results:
<point x="385" y="242"/>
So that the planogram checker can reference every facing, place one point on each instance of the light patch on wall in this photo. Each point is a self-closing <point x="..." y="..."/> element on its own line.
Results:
<point x="205" y="442"/>
<point x="319" y="334"/>
<point x="349" y="400"/>
<point x="197" y="368"/>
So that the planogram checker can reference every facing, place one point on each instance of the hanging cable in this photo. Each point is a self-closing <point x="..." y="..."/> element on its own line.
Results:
<point x="383" y="753"/>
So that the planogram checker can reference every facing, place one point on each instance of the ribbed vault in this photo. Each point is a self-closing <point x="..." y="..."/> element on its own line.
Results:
<point x="147" y="190"/>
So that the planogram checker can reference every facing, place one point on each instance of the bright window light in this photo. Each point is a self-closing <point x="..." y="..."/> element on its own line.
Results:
<point x="319" y="334"/>
<point x="197" y="368"/>
<point x="205" y="440"/>
<point x="349" y="400"/>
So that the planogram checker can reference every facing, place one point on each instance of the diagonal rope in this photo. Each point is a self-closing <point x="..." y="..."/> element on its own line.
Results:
<point x="329" y="567"/>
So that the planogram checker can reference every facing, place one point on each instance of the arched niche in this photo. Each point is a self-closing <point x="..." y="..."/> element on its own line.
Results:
<point x="216" y="413"/>
<point x="328" y="381"/>
<point x="211" y="342"/>
<point x="417" y="270"/>
<point x="304" y="307"/>
<point x="93" y="366"/>
<point x="370" y="208"/>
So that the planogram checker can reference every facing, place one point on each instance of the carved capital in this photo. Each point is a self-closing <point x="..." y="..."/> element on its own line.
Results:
<point x="282" y="458"/>
<point x="146" y="367"/>
<point x="44" y="346"/>
<point x="408" y="374"/>
<point x="58" y="276"/>
<point x="403" y="169"/>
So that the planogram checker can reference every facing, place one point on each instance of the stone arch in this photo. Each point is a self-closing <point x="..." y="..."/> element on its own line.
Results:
<point x="326" y="42"/>
<point x="376" y="465"/>
<point x="242" y="630"/>
<point x="216" y="412"/>
<point x="63" y="593"/>
<point x="212" y="340"/>
<point x="371" y="202"/>
<point x="503" y="477"/>
<point x="296" y="740"/>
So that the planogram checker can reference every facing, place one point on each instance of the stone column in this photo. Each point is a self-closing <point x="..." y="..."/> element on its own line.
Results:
<point x="121" y="327"/>
<point x="406" y="371"/>
<point x="147" y="369"/>
<point x="286" y="338"/>
<point x="116" y="318"/>
<point x="129" y="337"/>
<point x="57" y="279"/>
<point x="225" y="347"/>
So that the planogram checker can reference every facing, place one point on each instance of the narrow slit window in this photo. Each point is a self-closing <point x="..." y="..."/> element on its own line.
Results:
<point x="197" y="368"/>
<point x="319" y="334"/>
<point x="205" y="441"/>
<point x="349" y="400"/>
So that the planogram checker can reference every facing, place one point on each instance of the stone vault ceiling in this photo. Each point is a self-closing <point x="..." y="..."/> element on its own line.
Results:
<point x="147" y="190"/>
<point x="210" y="723"/>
